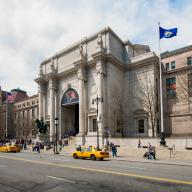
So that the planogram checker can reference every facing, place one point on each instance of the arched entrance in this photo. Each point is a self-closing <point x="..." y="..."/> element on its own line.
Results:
<point x="70" y="112"/>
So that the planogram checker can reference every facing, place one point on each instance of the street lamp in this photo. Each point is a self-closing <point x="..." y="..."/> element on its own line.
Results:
<point x="97" y="100"/>
<point x="56" y="125"/>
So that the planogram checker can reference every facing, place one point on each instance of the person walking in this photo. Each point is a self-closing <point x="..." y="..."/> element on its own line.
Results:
<point x="114" y="150"/>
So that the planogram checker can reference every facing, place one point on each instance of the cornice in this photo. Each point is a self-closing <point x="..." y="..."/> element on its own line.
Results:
<point x="115" y="61"/>
<point x="143" y="62"/>
<point x="40" y="80"/>
<point x="66" y="73"/>
<point x="178" y="70"/>
<point x="100" y="55"/>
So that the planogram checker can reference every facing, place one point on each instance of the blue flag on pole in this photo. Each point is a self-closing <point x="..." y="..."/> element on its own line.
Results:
<point x="8" y="94"/>
<point x="167" y="33"/>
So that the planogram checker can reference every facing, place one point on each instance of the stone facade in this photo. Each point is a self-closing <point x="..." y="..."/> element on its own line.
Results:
<point x="18" y="113"/>
<point x="25" y="114"/>
<point x="178" y="91"/>
<point x="122" y="77"/>
<point x="6" y="116"/>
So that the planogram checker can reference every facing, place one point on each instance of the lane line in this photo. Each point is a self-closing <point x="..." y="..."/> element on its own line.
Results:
<point x="60" y="179"/>
<point x="106" y="171"/>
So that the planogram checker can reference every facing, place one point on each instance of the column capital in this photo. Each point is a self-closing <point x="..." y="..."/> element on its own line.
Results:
<point x="41" y="88"/>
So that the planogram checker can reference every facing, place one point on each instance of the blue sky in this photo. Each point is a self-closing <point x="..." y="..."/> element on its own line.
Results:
<point x="32" y="30"/>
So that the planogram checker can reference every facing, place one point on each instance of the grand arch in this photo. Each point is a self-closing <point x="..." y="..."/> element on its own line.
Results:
<point x="70" y="112"/>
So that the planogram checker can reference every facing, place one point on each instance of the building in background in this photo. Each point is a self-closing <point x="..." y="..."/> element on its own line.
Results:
<point x="25" y="114"/>
<point x="6" y="114"/>
<point x="178" y="91"/>
<point x="17" y="114"/>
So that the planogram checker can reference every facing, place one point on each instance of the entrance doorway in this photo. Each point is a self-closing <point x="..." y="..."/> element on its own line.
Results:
<point x="70" y="113"/>
<point x="70" y="117"/>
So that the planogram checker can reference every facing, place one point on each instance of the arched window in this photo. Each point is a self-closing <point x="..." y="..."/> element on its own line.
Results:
<point x="70" y="97"/>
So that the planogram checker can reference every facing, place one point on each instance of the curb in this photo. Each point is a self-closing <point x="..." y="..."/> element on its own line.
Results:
<point x="121" y="159"/>
<point x="154" y="162"/>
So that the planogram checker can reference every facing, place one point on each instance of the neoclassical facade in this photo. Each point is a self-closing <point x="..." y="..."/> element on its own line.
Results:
<point x="124" y="78"/>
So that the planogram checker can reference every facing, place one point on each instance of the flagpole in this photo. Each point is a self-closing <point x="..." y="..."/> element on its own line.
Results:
<point x="162" y="141"/>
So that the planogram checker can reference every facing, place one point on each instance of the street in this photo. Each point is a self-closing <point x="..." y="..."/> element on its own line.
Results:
<point x="34" y="172"/>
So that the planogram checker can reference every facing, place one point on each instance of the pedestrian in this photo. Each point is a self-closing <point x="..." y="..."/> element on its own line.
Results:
<point x="139" y="144"/>
<point x="38" y="147"/>
<point x="114" y="150"/>
<point x="149" y="156"/>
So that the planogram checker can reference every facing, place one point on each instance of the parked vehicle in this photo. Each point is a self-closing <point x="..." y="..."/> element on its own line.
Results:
<point x="90" y="152"/>
<point x="10" y="148"/>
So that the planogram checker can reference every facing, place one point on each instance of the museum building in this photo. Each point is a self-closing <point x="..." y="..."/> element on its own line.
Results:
<point x="100" y="84"/>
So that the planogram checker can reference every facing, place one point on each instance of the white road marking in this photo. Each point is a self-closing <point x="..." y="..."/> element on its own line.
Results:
<point x="61" y="179"/>
<point x="3" y="166"/>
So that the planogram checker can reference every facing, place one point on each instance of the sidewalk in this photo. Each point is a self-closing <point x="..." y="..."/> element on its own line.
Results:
<point x="171" y="161"/>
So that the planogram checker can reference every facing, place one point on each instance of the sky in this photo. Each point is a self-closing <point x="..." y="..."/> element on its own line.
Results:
<point x="33" y="30"/>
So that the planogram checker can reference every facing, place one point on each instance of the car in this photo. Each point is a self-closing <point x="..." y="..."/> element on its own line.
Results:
<point x="10" y="148"/>
<point x="90" y="152"/>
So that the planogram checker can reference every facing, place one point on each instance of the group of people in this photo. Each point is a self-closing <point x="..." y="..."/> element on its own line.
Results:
<point x="150" y="154"/>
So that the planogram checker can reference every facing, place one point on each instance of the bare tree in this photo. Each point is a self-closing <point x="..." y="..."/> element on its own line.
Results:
<point x="184" y="81"/>
<point x="119" y="101"/>
<point x="146" y="96"/>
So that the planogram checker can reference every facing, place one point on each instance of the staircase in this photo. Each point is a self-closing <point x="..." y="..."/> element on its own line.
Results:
<point x="71" y="145"/>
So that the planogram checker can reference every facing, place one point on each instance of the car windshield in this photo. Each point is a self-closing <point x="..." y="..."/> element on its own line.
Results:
<point x="97" y="149"/>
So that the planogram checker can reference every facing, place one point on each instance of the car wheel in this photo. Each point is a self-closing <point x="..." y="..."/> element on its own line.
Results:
<point x="93" y="157"/>
<point x="75" y="156"/>
<point x="6" y="150"/>
<point x="101" y="159"/>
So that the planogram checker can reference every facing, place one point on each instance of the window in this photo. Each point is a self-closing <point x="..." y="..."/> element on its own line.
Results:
<point x="167" y="66"/>
<point x="190" y="84"/>
<point x="173" y="65"/>
<point x="171" y="87"/>
<point x="141" y="126"/>
<point x="189" y="61"/>
<point x="94" y="125"/>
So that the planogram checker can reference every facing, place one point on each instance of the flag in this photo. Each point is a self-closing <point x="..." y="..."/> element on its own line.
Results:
<point x="167" y="33"/>
<point x="9" y="97"/>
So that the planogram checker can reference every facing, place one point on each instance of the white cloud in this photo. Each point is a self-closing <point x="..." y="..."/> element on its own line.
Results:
<point x="32" y="30"/>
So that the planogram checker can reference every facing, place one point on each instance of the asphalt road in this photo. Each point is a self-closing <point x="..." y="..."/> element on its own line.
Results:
<point x="39" y="173"/>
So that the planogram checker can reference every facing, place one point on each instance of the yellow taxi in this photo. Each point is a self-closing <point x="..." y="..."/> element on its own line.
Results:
<point x="10" y="148"/>
<point x="90" y="152"/>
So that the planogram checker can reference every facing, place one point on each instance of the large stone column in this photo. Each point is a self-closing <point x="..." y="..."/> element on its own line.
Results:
<point x="81" y="79"/>
<point x="100" y="81"/>
<point x="52" y="108"/>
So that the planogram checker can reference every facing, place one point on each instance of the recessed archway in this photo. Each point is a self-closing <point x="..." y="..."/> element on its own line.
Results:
<point x="70" y="112"/>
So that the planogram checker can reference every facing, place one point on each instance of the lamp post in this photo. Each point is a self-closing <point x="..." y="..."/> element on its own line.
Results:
<point x="97" y="100"/>
<point x="56" y="125"/>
